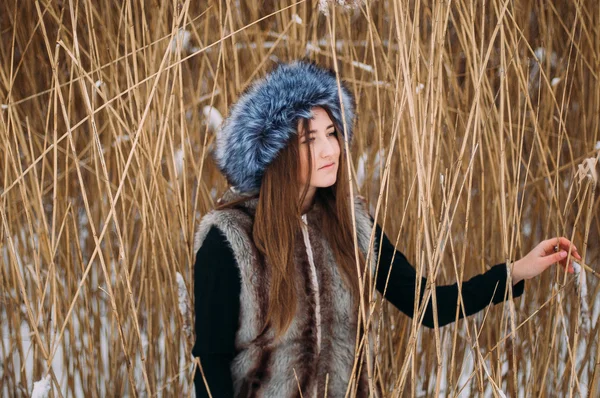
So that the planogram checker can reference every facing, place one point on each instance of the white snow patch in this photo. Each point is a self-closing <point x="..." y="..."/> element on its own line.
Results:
<point x="381" y="83"/>
<point x="597" y="147"/>
<point x="178" y="160"/>
<point x="214" y="119"/>
<point x="585" y="309"/>
<point x="316" y="45"/>
<point x="323" y="7"/>
<point x="84" y="231"/>
<point x="41" y="388"/>
<point x="468" y="365"/>
<point x="97" y="89"/>
<point x="527" y="229"/>
<point x="297" y="19"/>
<point x="345" y="4"/>
<point x="363" y="66"/>
<point x="311" y="47"/>
<point x="362" y="164"/>
<point x="587" y="169"/>
<point x="419" y="88"/>
<point x="4" y="106"/>
<point x="540" y="54"/>
<point x="121" y="138"/>
<point x="184" y="308"/>
<point x="379" y="158"/>
<point x="144" y="339"/>
<point x="489" y="376"/>
<point x="595" y="312"/>
<point x="555" y="81"/>
<point x="182" y="42"/>
<point x="586" y="324"/>
<point x="360" y="170"/>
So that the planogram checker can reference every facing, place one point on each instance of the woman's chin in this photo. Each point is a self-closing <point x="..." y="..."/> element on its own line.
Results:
<point x="326" y="183"/>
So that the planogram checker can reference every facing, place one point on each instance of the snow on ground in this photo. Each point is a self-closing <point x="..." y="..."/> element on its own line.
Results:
<point x="63" y="364"/>
<point x="41" y="388"/>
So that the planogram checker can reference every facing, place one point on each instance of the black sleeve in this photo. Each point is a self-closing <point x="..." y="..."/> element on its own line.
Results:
<point x="477" y="292"/>
<point x="217" y="288"/>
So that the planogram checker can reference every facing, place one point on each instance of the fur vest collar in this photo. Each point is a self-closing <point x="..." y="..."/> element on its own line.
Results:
<point x="318" y="347"/>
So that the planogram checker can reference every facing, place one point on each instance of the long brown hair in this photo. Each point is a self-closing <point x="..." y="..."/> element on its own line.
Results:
<point x="278" y="214"/>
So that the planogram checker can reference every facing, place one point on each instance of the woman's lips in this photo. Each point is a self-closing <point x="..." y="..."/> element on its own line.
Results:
<point x="328" y="166"/>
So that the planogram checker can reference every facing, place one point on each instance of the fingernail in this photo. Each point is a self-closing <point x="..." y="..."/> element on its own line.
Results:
<point x="563" y="254"/>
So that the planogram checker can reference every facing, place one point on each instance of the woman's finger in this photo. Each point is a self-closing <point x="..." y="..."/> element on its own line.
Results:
<point x="565" y="243"/>
<point x="568" y="267"/>
<point x="555" y="244"/>
<point x="574" y="253"/>
<point x="549" y="245"/>
<point x="554" y="258"/>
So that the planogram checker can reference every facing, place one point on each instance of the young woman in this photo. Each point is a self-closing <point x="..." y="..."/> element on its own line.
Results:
<point x="276" y="282"/>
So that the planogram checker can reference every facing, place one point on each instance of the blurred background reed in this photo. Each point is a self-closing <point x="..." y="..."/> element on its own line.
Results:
<point x="477" y="136"/>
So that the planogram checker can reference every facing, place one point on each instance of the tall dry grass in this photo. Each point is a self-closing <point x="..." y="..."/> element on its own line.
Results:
<point x="472" y="121"/>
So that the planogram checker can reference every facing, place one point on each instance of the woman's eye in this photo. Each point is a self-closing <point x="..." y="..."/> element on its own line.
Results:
<point x="311" y="139"/>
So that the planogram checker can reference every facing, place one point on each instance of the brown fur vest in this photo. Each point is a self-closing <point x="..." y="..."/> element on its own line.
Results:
<point x="319" y="346"/>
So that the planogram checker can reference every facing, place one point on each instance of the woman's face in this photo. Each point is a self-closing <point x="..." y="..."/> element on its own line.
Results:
<point x="325" y="150"/>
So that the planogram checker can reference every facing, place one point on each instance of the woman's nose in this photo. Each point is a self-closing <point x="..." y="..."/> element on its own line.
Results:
<point x="327" y="148"/>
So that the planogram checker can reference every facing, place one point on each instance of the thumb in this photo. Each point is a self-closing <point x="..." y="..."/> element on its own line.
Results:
<point x="553" y="258"/>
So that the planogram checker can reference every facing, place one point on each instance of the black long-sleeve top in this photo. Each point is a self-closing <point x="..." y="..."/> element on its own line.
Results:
<point x="217" y="287"/>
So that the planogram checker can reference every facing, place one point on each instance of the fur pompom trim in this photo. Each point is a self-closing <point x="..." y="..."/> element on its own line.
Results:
<point x="266" y="116"/>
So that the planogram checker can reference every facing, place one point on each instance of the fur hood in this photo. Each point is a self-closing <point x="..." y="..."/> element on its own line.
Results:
<point x="265" y="117"/>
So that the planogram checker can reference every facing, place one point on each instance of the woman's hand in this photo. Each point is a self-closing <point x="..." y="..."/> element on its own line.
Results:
<point x="545" y="254"/>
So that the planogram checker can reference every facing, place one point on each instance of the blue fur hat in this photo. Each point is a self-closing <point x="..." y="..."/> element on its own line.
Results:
<point x="266" y="116"/>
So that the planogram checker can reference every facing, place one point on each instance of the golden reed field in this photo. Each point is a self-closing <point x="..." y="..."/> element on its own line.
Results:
<point x="477" y="137"/>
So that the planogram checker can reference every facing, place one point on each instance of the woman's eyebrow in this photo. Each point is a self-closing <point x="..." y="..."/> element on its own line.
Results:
<point x="326" y="128"/>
